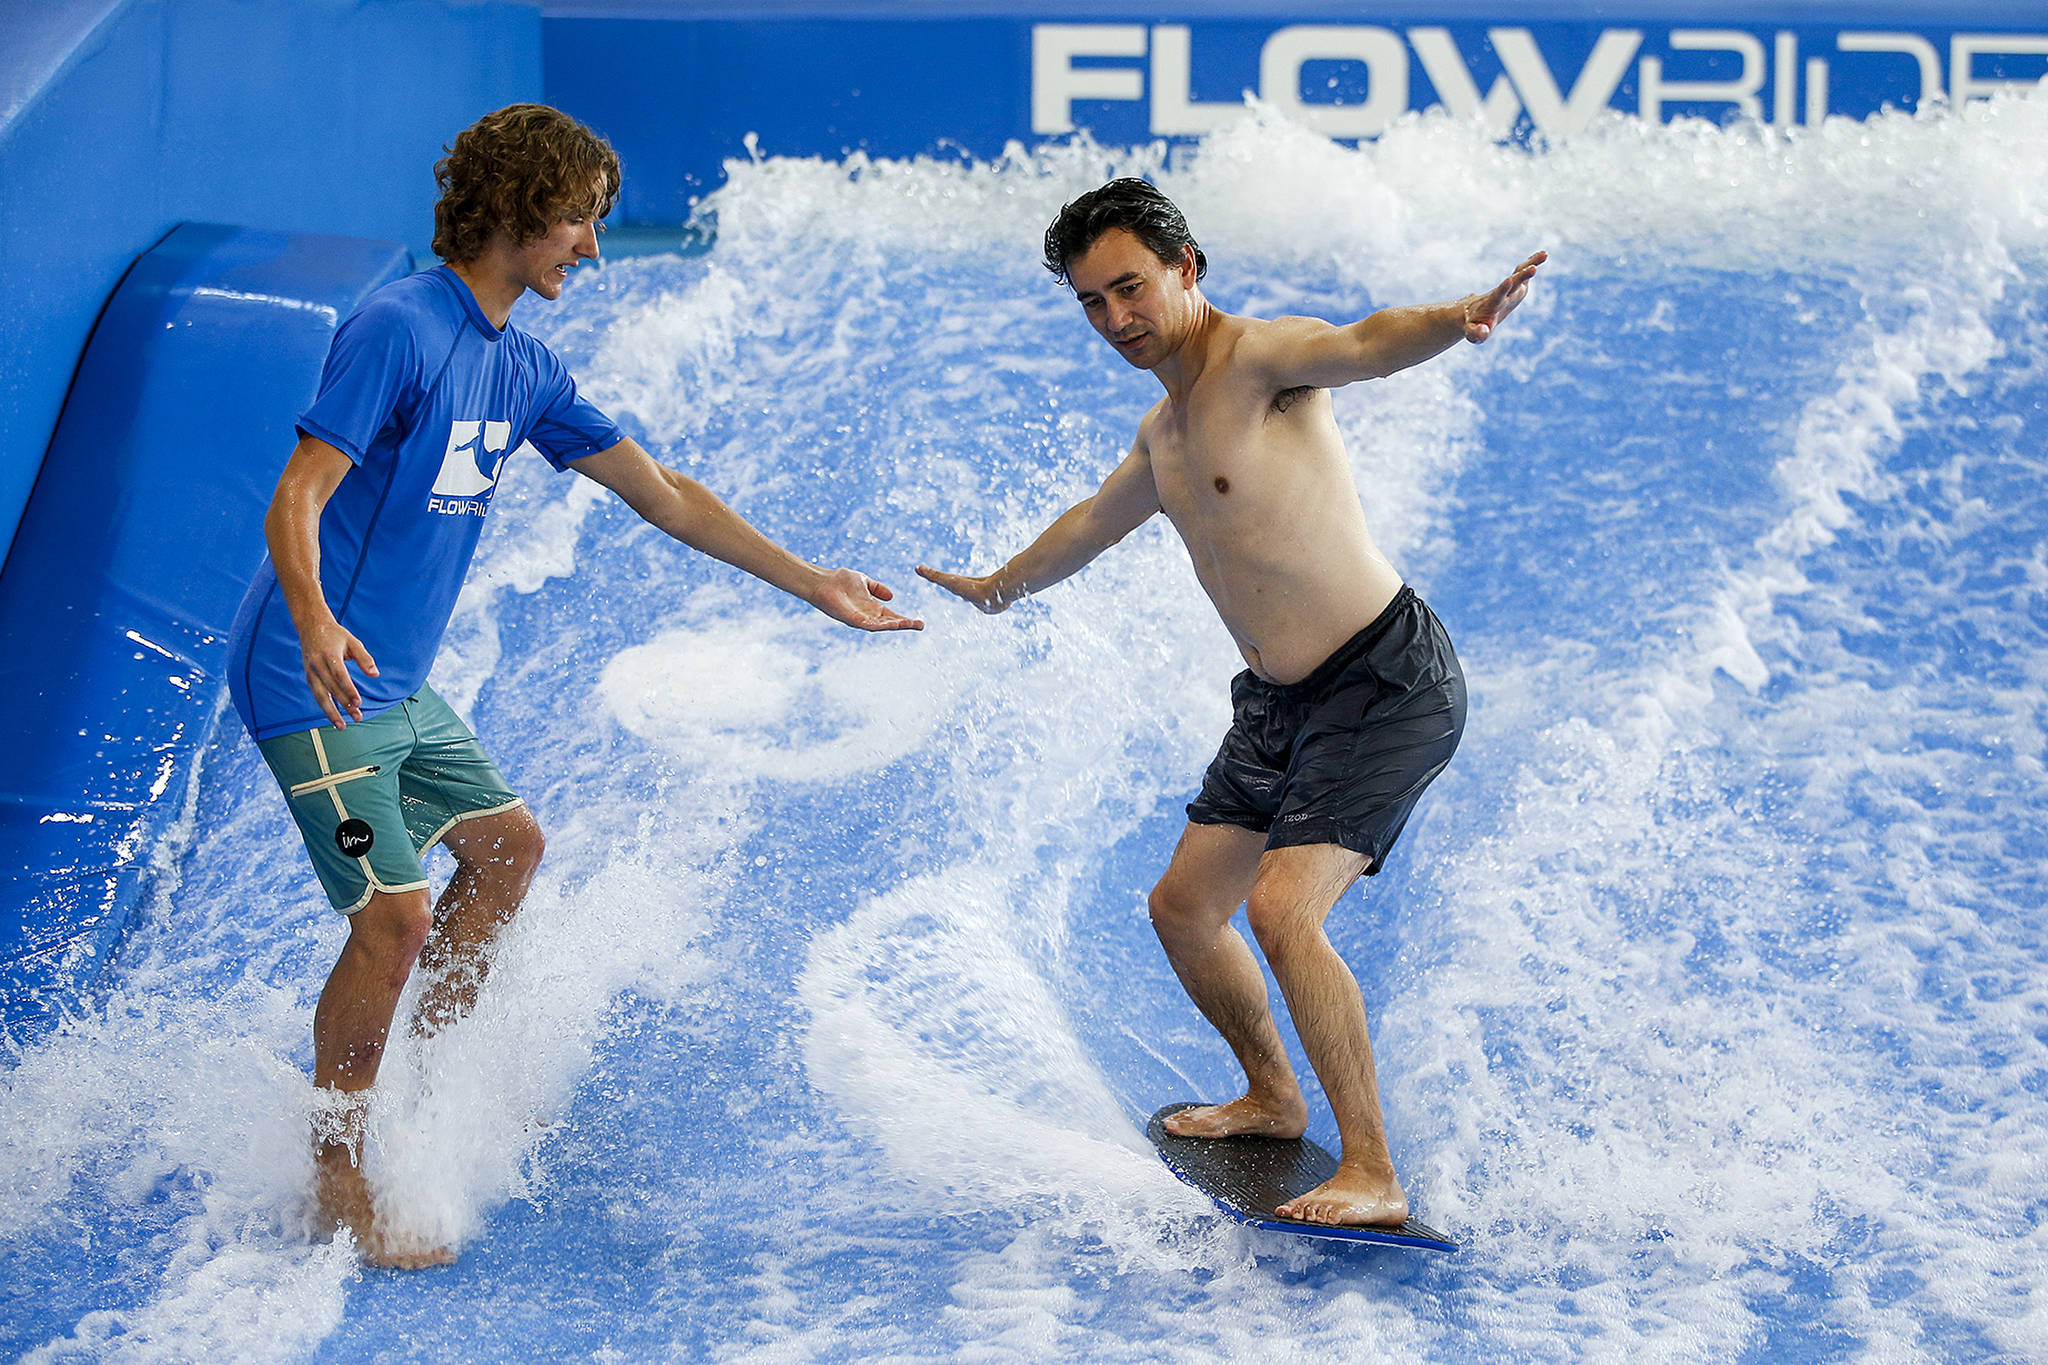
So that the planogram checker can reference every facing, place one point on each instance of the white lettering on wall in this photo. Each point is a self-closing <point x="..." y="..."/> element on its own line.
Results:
<point x="1155" y="66"/>
<point x="1742" y="92"/>
<point x="1965" y="48"/>
<point x="1446" y="69"/>
<point x="1056" y="82"/>
<point x="1553" y="113"/>
<point x="1386" y="76"/>
<point x="1174" y="111"/>
<point x="1905" y="44"/>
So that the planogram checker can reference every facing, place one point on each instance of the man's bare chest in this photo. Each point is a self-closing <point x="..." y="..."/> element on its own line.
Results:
<point x="1223" y="459"/>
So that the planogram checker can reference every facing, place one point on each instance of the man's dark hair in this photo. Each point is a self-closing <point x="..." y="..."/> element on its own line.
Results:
<point x="1131" y="204"/>
<point x="524" y="169"/>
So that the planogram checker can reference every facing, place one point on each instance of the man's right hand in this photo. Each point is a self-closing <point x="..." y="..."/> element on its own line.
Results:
<point x="852" y="598"/>
<point x="979" y="591"/>
<point x="327" y="650"/>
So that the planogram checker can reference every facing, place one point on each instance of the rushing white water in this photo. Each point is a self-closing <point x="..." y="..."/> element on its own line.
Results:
<point x="1707" y="985"/>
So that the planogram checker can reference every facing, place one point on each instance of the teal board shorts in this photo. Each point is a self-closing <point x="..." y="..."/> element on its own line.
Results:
<point x="372" y="798"/>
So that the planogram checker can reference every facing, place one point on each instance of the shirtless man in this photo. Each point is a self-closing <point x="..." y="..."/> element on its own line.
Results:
<point x="428" y="388"/>
<point x="1353" y="699"/>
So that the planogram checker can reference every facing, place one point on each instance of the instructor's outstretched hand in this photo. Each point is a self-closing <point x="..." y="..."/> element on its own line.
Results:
<point x="1483" y="312"/>
<point x="852" y="598"/>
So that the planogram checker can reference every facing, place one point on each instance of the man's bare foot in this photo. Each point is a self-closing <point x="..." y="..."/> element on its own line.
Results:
<point x="392" y="1253"/>
<point x="1266" y="1118"/>
<point x="343" y="1200"/>
<point x="1351" y="1198"/>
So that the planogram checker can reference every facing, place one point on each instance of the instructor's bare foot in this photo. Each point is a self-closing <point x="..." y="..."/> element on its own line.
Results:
<point x="343" y="1199"/>
<point x="1246" y="1114"/>
<point x="1351" y="1198"/>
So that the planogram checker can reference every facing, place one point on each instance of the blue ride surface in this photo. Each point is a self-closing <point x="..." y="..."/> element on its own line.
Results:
<point x="1705" y="986"/>
<point x="142" y="530"/>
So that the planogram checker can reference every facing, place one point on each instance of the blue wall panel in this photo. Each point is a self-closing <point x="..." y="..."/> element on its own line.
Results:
<point x="678" y="96"/>
<point x="677" y="99"/>
<point x="131" y="557"/>
<point x="313" y="116"/>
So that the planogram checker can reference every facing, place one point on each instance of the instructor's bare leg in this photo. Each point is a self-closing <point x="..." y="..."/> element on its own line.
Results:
<point x="1290" y="900"/>
<point x="495" y="859"/>
<point x="350" y="1029"/>
<point x="1212" y="871"/>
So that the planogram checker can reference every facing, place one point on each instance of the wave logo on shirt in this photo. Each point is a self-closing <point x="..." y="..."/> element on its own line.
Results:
<point x="463" y="487"/>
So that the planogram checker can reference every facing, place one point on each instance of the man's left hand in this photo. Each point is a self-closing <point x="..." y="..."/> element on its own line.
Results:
<point x="1483" y="312"/>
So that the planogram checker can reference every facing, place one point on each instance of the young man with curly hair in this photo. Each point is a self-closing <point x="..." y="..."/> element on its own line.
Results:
<point x="1351" y="701"/>
<point x="427" y="389"/>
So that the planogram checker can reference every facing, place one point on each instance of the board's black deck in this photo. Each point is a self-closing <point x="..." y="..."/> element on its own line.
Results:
<point x="1250" y="1177"/>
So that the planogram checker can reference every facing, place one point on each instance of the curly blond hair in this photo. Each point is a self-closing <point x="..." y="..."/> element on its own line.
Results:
<point x="521" y="170"/>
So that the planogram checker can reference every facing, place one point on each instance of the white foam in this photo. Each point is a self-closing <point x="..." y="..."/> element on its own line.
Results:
<point x="775" y="699"/>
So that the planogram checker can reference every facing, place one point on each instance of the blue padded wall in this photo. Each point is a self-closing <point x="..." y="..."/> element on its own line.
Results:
<point x="120" y="119"/>
<point x="132" y="553"/>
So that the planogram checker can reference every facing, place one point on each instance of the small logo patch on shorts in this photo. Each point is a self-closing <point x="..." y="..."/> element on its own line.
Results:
<point x="354" y="837"/>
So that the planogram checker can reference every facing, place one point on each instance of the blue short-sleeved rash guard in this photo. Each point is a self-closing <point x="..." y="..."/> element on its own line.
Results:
<point x="427" y="398"/>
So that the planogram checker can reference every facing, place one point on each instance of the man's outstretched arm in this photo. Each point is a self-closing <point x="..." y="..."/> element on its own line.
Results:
<point x="1295" y="351"/>
<point x="1127" y="497"/>
<point x="694" y="515"/>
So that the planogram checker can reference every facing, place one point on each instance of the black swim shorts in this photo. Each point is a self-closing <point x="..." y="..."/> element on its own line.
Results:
<point x="1342" y="756"/>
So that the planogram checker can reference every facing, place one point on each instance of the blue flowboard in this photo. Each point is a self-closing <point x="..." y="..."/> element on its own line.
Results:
<point x="1249" y="1177"/>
